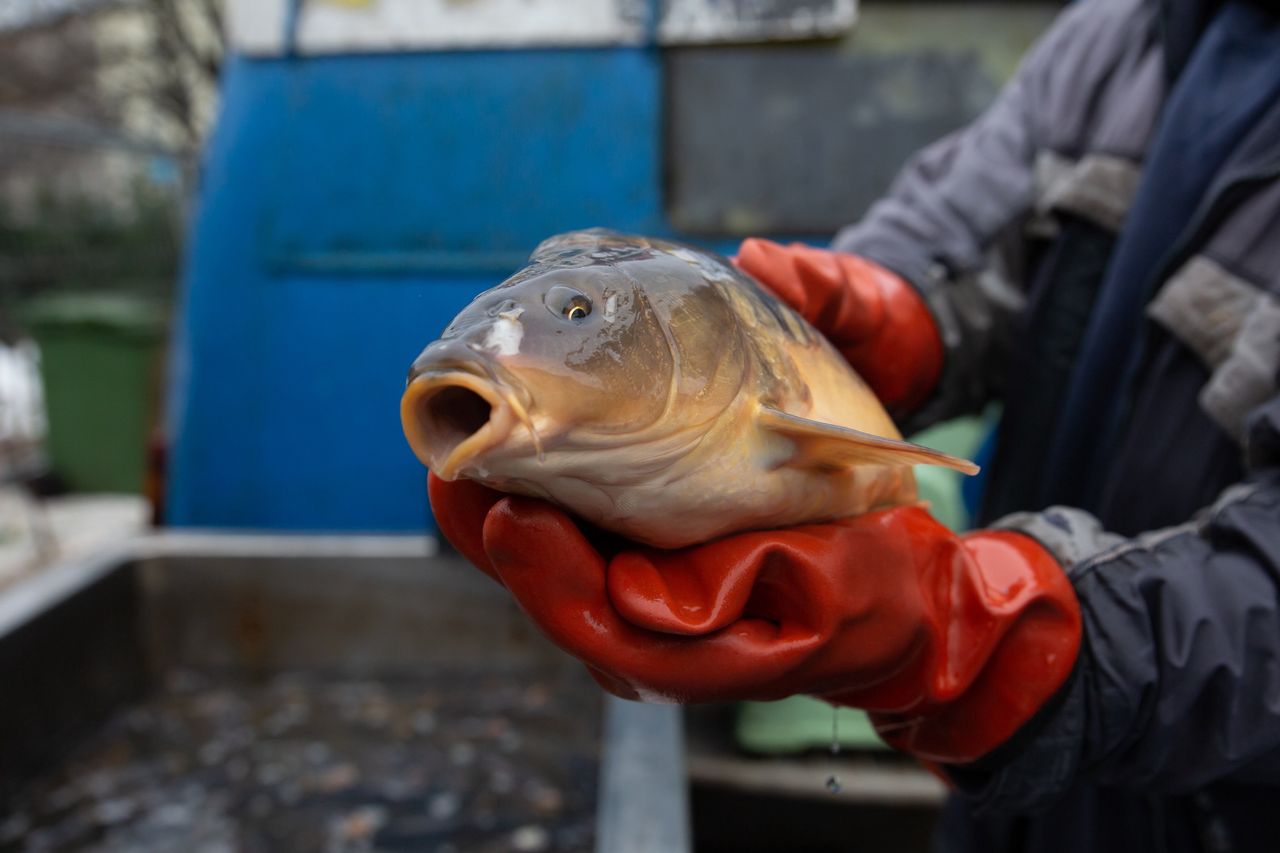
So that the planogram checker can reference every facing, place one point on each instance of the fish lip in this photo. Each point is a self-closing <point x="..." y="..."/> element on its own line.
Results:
<point x="426" y="384"/>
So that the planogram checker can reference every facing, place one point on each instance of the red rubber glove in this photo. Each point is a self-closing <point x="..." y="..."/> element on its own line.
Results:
<point x="951" y="642"/>
<point x="873" y="316"/>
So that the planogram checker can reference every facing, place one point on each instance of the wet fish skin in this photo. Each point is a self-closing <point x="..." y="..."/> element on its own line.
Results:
<point x="656" y="391"/>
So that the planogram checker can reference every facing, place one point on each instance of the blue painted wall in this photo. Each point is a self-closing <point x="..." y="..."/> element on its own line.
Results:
<point x="349" y="207"/>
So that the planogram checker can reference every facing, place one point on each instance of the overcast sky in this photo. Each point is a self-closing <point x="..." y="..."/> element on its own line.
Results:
<point x="16" y="13"/>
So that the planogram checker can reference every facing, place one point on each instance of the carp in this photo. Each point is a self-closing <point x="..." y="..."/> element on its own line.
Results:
<point x="654" y="390"/>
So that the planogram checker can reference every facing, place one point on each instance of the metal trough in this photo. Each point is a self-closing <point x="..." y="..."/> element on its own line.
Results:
<point x="262" y="681"/>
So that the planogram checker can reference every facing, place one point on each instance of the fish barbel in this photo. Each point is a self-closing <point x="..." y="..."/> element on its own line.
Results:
<point x="655" y="390"/>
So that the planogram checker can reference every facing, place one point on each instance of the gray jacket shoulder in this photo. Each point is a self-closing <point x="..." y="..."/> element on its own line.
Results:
<point x="1066" y="134"/>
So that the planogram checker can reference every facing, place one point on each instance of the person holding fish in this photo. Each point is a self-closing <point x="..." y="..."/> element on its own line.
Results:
<point x="687" y="488"/>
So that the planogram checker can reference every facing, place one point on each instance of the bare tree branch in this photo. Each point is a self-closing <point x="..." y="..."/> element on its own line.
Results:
<point x="216" y="23"/>
<point x="178" y="55"/>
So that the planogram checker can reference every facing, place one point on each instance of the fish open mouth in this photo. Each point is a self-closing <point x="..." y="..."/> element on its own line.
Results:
<point x="451" y="418"/>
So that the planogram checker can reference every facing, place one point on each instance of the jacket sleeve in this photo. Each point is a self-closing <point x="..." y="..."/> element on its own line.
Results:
<point x="1178" y="680"/>
<point x="953" y="201"/>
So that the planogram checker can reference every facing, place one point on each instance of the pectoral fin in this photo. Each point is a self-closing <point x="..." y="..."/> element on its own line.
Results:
<point x="820" y="445"/>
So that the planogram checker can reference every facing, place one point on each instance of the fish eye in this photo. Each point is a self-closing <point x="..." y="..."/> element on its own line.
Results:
<point x="568" y="303"/>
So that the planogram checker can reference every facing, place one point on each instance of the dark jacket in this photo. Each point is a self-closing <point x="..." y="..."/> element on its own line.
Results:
<point x="1102" y="253"/>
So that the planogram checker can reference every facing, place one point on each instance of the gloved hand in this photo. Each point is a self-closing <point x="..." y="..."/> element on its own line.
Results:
<point x="951" y="642"/>
<point x="873" y="316"/>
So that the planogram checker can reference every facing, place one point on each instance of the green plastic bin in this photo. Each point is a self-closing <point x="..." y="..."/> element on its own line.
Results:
<point x="99" y="363"/>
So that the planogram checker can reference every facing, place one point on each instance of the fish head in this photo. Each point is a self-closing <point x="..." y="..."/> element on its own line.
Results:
<point x="570" y="353"/>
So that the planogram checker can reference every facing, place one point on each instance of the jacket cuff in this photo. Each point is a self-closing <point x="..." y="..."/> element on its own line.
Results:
<point x="1072" y="536"/>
